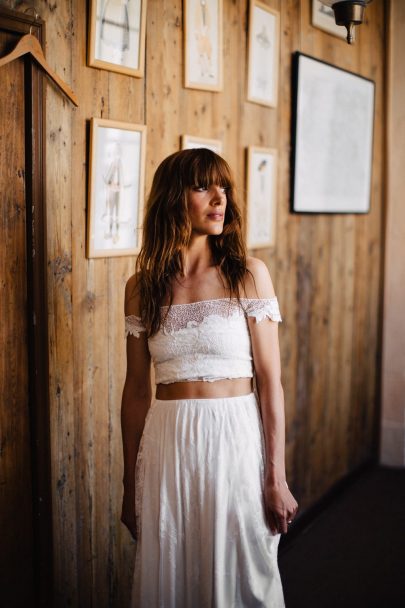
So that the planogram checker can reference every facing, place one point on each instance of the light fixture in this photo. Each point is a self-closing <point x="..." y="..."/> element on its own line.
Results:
<point x="348" y="13"/>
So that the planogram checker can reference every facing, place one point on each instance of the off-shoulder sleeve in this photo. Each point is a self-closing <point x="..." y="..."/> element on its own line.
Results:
<point x="263" y="309"/>
<point x="133" y="326"/>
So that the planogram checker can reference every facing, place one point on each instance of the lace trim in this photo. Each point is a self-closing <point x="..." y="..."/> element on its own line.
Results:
<point x="181" y="316"/>
<point x="263" y="309"/>
<point x="133" y="326"/>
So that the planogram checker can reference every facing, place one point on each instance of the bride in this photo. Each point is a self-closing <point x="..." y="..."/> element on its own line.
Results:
<point x="205" y="490"/>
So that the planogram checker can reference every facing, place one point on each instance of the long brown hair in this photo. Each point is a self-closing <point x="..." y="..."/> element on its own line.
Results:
<point x="167" y="229"/>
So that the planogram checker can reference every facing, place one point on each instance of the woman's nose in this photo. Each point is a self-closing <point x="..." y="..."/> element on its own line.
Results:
<point x="217" y="194"/>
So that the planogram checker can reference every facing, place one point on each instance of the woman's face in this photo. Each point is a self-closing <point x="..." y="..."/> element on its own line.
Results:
<point x="206" y="208"/>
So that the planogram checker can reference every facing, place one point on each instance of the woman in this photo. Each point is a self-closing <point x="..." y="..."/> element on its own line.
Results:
<point x="205" y="492"/>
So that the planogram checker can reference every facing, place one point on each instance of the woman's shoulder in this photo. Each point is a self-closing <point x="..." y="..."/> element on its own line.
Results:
<point x="258" y="283"/>
<point x="132" y="296"/>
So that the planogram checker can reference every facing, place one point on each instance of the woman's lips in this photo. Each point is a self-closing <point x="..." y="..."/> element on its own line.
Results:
<point x="216" y="216"/>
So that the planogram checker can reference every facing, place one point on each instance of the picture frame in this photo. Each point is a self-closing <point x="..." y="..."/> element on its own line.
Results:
<point x="191" y="141"/>
<point x="203" y="61"/>
<point x="116" y="40"/>
<point x="261" y="196"/>
<point x="116" y="188"/>
<point x="323" y="17"/>
<point x="333" y="119"/>
<point x="263" y="54"/>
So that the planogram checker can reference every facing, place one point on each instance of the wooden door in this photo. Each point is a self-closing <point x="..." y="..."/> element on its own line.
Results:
<point x="24" y="447"/>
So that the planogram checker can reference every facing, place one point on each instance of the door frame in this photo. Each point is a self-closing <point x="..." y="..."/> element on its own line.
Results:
<point x="37" y="304"/>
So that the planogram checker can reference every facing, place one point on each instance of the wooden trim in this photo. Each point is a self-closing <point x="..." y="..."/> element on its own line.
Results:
<point x="37" y="305"/>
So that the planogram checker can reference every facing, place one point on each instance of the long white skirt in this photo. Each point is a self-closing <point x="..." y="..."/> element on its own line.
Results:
<point x="202" y="536"/>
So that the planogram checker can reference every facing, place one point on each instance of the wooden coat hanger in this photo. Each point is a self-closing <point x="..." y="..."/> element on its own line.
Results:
<point x="29" y="44"/>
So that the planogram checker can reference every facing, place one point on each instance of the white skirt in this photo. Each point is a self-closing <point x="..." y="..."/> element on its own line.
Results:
<point x="202" y="536"/>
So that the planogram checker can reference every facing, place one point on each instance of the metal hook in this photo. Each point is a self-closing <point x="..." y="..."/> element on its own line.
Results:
<point x="36" y="15"/>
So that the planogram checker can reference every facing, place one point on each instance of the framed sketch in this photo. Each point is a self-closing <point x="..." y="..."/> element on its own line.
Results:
<point x="261" y="196"/>
<point x="263" y="54"/>
<point x="203" y="44"/>
<point x="323" y="17"/>
<point x="116" y="188"/>
<point x="117" y="36"/>
<point x="332" y="137"/>
<point x="190" y="141"/>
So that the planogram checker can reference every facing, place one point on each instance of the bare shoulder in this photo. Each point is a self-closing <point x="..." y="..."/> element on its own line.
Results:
<point x="258" y="282"/>
<point x="132" y="297"/>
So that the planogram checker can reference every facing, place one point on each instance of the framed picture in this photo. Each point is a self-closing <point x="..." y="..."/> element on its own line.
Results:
<point x="116" y="188"/>
<point x="117" y="36"/>
<point x="263" y="54"/>
<point x="332" y="138"/>
<point x="261" y="196"/>
<point x="323" y="17"/>
<point x="203" y="44"/>
<point x="190" y="141"/>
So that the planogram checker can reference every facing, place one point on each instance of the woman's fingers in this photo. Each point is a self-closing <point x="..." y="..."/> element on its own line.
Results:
<point x="281" y="508"/>
<point x="280" y="516"/>
<point x="277" y="521"/>
<point x="282" y="526"/>
<point x="280" y="523"/>
<point x="272" y="521"/>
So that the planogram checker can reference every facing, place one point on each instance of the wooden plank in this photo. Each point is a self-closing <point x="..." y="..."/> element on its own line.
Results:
<point x="61" y="377"/>
<point x="392" y="448"/>
<point x="165" y="101"/>
<point x="120" y="553"/>
<point x="16" y="508"/>
<point x="285" y="268"/>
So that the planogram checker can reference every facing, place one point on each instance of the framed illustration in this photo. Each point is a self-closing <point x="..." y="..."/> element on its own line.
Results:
<point x="190" y="141"/>
<point x="116" y="188"/>
<point x="332" y="138"/>
<point x="203" y="44"/>
<point x="117" y="36"/>
<point x="323" y="18"/>
<point x="263" y="54"/>
<point x="261" y="196"/>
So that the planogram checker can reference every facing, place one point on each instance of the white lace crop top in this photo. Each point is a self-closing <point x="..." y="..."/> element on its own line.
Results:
<point x="206" y="340"/>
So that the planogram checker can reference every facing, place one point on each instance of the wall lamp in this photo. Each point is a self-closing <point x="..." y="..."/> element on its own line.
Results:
<point x="348" y="13"/>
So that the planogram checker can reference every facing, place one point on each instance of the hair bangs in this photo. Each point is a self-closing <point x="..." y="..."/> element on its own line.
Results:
<point x="208" y="168"/>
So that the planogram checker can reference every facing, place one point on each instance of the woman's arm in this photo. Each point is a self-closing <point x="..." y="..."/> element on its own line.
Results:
<point x="136" y="400"/>
<point x="280" y="504"/>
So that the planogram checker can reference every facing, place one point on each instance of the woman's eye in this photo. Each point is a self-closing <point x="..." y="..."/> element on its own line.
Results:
<point x="223" y="189"/>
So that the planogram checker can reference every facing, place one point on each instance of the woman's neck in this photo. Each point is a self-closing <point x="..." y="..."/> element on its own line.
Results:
<point x="198" y="256"/>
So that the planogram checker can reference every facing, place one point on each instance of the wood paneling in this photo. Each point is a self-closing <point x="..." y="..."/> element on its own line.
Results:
<point x="327" y="273"/>
<point x="25" y="503"/>
<point x="16" y="509"/>
<point x="393" y="378"/>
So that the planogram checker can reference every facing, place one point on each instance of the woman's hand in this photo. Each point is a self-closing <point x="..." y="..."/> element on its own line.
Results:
<point x="128" y="512"/>
<point x="280" y="506"/>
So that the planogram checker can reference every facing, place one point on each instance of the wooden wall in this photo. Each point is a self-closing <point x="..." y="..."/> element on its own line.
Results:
<point x="327" y="273"/>
<point x="392" y="450"/>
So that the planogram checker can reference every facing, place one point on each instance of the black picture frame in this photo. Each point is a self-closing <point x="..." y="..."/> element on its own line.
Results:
<point x="332" y="137"/>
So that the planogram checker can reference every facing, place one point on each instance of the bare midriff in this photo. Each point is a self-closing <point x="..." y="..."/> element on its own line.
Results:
<point x="235" y="387"/>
